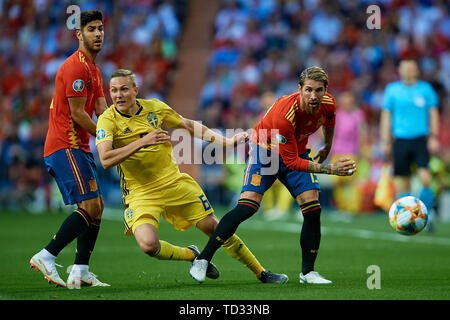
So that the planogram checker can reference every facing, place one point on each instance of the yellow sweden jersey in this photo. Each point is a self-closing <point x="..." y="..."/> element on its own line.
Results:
<point x="152" y="166"/>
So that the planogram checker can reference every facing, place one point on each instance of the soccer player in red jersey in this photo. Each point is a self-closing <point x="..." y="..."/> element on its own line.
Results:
<point x="278" y="151"/>
<point x="67" y="155"/>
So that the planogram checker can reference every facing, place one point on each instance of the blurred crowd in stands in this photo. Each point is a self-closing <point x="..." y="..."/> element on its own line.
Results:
<point x="34" y="41"/>
<point x="259" y="48"/>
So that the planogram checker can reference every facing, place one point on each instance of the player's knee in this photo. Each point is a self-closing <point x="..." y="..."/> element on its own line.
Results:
<point x="94" y="207"/>
<point x="208" y="224"/>
<point x="149" y="247"/>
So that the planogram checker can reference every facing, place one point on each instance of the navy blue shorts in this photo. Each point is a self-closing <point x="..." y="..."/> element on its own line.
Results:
<point x="75" y="173"/>
<point x="409" y="151"/>
<point x="261" y="172"/>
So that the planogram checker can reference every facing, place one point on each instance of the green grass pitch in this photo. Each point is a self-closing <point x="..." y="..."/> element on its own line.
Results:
<point x="416" y="267"/>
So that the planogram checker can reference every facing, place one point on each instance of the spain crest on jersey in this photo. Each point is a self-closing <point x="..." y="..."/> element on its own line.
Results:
<point x="152" y="119"/>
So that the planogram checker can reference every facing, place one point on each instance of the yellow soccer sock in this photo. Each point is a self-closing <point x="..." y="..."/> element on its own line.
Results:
<point x="239" y="251"/>
<point x="168" y="251"/>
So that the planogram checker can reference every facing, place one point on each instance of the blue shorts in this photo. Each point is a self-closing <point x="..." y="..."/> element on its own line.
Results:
<point x="258" y="177"/>
<point x="75" y="173"/>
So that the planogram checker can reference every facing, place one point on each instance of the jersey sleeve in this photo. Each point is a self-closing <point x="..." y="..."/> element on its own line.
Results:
<point x="75" y="78"/>
<point x="171" y="118"/>
<point x="330" y="120"/>
<point x="287" y="145"/>
<point x="100" y="93"/>
<point x="105" y="129"/>
<point x="388" y="97"/>
<point x="433" y="99"/>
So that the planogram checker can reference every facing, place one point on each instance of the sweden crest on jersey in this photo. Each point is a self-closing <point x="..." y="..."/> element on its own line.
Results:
<point x="129" y="213"/>
<point x="152" y="119"/>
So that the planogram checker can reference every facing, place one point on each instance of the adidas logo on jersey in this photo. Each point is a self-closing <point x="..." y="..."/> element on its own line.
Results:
<point x="127" y="130"/>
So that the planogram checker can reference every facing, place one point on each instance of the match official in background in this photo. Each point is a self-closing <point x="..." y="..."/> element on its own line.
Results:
<point x="409" y="129"/>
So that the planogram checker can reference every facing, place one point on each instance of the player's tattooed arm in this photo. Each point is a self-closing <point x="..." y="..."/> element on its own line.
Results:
<point x="315" y="167"/>
<point x="343" y="167"/>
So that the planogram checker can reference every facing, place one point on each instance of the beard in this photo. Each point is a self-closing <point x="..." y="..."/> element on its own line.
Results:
<point x="91" y="46"/>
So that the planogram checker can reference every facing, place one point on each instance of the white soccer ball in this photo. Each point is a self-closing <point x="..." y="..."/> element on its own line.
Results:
<point x="408" y="215"/>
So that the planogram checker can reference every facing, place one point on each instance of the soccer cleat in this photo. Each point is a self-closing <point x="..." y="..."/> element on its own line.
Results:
<point x="270" y="277"/>
<point x="198" y="269"/>
<point x="212" y="272"/>
<point x="313" y="277"/>
<point x="48" y="269"/>
<point x="78" y="279"/>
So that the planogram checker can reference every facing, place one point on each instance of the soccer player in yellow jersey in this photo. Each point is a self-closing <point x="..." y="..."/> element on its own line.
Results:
<point x="131" y="136"/>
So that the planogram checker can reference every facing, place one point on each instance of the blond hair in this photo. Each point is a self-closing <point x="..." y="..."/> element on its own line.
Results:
<point x="124" y="73"/>
<point x="313" y="73"/>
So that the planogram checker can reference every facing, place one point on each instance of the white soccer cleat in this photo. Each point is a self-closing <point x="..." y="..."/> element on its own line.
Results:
<point x="313" y="277"/>
<point x="212" y="272"/>
<point x="198" y="269"/>
<point x="82" y="278"/>
<point x="48" y="269"/>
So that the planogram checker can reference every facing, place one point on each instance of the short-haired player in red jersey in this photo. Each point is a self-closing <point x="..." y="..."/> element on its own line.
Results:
<point x="278" y="150"/>
<point x="78" y="94"/>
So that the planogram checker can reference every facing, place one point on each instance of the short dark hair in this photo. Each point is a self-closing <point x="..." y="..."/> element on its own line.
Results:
<point x="314" y="73"/>
<point x="88" y="16"/>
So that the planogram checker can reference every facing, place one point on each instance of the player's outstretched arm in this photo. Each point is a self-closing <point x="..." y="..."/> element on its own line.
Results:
<point x="200" y="131"/>
<point x="110" y="157"/>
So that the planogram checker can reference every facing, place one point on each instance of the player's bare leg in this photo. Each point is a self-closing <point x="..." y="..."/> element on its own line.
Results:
<point x="146" y="236"/>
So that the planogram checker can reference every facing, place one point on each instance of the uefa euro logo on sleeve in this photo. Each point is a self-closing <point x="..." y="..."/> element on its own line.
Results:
<point x="101" y="134"/>
<point x="280" y="139"/>
<point x="78" y="85"/>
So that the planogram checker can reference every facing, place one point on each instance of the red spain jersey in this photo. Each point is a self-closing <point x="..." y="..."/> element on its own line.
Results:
<point x="77" y="77"/>
<point x="294" y="127"/>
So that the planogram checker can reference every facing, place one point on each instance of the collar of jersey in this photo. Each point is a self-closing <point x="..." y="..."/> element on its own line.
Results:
<point x="127" y="115"/>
